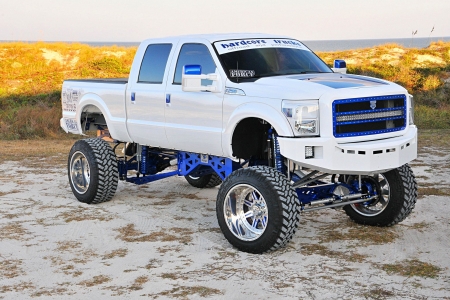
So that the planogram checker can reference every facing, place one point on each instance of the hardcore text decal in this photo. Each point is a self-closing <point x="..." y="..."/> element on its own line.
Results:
<point x="237" y="45"/>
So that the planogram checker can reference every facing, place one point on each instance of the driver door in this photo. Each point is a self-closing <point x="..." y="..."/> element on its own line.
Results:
<point x="193" y="119"/>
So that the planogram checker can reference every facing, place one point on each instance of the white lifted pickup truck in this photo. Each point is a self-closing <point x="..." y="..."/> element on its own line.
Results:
<point x="260" y="115"/>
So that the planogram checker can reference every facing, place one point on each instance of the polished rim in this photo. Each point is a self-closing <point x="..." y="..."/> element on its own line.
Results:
<point x="245" y="212"/>
<point x="377" y="207"/>
<point x="80" y="173"/>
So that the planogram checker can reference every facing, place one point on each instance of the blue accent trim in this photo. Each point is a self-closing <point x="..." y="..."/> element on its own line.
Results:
<point x="368" y="99"/>
<point x="338" y="84"/>
<point x="143" y="166"/>
<point x="133" y="96"/>
<point x="279" y="159"/>
<point x="150" y="178"/>
<point x="192" y="162"/>
<point x="167" y="98"/>
<point x="359" y="77"/>
<point x="339" y="63"/>
<point x="192" y="70"/>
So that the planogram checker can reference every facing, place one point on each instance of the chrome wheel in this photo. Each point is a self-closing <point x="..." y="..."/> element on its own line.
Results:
<point x="80" y="174"/>
<point x="378" y="206"/>
<point x="245" y="212"/>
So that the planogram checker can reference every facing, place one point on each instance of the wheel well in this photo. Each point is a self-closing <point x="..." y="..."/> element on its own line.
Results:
<point x="92" y="119"/>
<point x="250" y="138"/>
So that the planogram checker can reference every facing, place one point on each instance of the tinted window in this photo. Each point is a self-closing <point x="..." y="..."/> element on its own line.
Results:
<point x="195" y="54"/>
<point x="154" y="63"/>
<point x="274" y="61"/>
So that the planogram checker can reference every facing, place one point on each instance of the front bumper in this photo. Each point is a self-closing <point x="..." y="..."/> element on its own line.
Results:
<point x="362" y="158"/>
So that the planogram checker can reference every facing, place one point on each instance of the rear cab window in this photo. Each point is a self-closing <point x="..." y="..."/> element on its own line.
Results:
<point x="154" y="63"/>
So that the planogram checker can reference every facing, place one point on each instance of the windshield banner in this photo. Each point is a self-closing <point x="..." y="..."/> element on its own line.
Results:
<point x="246" y="44"/>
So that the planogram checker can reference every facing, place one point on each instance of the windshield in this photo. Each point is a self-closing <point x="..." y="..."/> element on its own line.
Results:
<point x="252" y="59"/>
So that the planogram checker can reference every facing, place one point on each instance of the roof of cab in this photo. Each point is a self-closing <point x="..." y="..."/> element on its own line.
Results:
<point x="214" y="37"/>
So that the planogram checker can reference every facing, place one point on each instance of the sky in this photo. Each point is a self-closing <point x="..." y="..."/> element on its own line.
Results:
<point x="136" y="20"/>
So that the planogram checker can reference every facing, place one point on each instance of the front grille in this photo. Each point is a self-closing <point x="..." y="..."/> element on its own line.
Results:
<point x="369" y="115"/>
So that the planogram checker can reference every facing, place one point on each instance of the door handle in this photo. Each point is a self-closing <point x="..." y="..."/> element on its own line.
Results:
<point x="133" y="97"/>
<point x="167" y="99"/>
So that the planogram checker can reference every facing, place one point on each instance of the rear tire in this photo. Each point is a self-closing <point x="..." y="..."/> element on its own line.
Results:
<point x="398" y="198"/>
<point x="257" y="209"/>
<point x="205" y="181"/>
<point x="92" y="170"/>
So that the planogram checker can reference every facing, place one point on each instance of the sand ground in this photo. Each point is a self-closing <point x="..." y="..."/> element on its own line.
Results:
<point x="162" y="241"/>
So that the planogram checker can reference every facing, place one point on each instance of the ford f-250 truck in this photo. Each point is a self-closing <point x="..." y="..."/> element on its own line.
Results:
<point x="263" y="117"/>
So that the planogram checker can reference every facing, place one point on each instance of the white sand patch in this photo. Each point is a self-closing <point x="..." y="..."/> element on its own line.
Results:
<point x="16" y="65"/>
<point x="117" y="54"/>
<point x="50" y="55"/>
<point x="352" y="61"/>
<point x="421" y="59"/>
<point x="389" y="57"/>
<point x="397" y="50"/>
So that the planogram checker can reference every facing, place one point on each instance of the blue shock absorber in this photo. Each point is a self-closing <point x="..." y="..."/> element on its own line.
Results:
<point x="279" y="161"/>
<point x="143" y="165"/>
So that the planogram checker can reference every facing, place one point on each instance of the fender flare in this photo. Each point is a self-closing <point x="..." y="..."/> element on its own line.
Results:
<point x="254" y="110"/>
<point x="91" y="99"/>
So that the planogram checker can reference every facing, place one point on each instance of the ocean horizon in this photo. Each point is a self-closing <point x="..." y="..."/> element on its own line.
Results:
<point x="315" y="45"/>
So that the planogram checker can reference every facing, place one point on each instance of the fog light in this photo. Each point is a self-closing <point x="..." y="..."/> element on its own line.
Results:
<point x="309" y="151"/>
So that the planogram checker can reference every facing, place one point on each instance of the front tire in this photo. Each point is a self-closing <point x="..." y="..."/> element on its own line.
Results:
<point x="257" y="209"/>
<point x="397" y="198"/>
<point x="92" y="170"/>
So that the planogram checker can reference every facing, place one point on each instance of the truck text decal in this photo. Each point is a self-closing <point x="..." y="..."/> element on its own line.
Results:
<point x="237" y="45"/>
<point x="70" y="99"/>
<point x="242" y="73"/>
<point x="71" y="124"/>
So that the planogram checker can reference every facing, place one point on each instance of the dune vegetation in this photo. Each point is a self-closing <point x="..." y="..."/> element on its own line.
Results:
<point x="31" y="75"/>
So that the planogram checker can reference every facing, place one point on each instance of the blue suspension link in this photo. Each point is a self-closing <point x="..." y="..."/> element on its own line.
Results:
<point x="143" y="166"/>
<point x="278" y="158"/>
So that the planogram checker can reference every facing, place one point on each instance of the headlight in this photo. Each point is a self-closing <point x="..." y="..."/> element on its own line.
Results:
<point x="303" y="116"/>
<point x="411" y="110"/>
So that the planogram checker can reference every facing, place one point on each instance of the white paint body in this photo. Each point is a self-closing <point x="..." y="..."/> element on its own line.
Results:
<point x="204" y="122"/>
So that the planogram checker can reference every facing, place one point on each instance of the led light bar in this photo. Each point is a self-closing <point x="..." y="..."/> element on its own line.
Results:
<point x="368" y="116"/>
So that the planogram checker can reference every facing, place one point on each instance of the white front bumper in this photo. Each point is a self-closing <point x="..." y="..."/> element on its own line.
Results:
<point x="352" y="158"/>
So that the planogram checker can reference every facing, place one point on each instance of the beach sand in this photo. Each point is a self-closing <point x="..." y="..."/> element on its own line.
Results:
<point x="162" y="240"/>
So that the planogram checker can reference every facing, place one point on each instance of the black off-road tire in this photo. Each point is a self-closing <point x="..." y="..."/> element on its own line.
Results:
<point x="206" y="181"/>
<point x="403" y="197"/>
<point x="281" y="202"/>
<point x="100" y="168"/>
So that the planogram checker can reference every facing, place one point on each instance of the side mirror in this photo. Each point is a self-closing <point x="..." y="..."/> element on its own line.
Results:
<point x="340" y="66"/>
<point x="191" y="80"/>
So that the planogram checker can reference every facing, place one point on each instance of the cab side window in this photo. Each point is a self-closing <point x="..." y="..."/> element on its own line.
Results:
<point x="154" y="63"/>
<point x="194" y="54"/>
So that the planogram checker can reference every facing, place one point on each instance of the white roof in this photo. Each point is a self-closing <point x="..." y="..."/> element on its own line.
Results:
<point x="214" y="37"/>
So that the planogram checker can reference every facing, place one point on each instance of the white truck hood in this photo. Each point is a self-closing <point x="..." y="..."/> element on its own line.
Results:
<point x="308" y="86"/>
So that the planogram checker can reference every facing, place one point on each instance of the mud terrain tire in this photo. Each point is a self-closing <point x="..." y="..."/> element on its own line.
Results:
<point x="92" y="170"/>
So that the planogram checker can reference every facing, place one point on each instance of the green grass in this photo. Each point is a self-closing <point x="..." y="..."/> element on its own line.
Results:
<point x="31" y="75"/>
